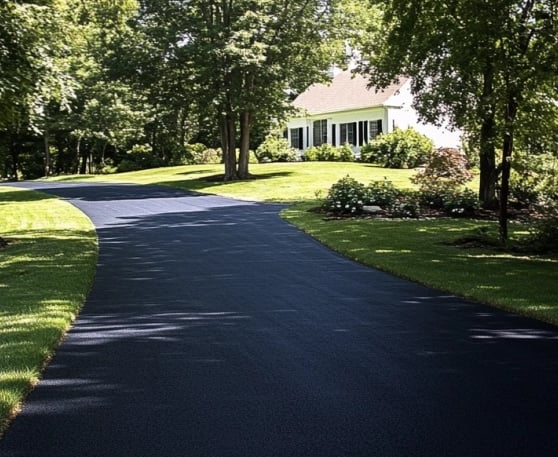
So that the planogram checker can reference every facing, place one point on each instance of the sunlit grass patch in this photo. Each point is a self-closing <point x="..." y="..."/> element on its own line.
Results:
<point x="45" y="273"/>
<point x="285" y="182"/>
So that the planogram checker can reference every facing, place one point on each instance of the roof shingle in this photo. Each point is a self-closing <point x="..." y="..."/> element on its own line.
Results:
<point x="347" y="91"/>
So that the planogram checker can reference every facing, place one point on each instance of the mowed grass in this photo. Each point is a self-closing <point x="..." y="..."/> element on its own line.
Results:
<point x="46" y="272"/>
<point x="278" y="182"/>
<point x="425" y="251"/>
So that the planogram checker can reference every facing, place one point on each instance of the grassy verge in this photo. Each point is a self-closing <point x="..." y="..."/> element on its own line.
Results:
<point x="422" y="250"/>
<point x="45" y="273"/>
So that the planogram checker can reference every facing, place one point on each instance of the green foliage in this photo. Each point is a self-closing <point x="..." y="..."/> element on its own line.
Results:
<point x="454" y="201"/>
<point x="534" y="180"/>
<point x="346" y="196"/>
<point x="460" y="202"/>
<point x="31" y="164"/>
<point x="199" y="153"/>
<point x="445" y="165"/>
<point x="140" y="157"/>
<point x="382" y="193"/>
<point x="275" y="149"/>
<point x="398" y="149"/>
<point x="544" y="233"/>
<point x="328" y="153"/>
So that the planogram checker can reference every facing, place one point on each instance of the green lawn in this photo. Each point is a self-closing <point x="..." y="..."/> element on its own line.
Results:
<point x="285" y="182"/>
<point x="45" y="274"/>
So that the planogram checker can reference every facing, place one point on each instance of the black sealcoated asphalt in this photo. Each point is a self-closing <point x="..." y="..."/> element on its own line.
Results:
<point x="215" y="329"/>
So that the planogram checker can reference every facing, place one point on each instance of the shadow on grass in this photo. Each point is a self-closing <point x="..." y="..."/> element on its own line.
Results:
<point x="20" y="196"/>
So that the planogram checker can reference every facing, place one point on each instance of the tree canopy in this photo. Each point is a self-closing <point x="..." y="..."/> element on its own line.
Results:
<point x="483" y="65"/>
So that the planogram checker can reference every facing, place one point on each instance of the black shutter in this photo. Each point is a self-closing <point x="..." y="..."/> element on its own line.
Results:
<point x="333" y="135"/>
<point x="301" y="138"/>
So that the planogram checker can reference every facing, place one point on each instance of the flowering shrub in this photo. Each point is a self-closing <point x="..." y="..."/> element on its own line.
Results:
<point x="346" y="196"/>
<point x="460" y="203"/>
<point x="382" y="193"/>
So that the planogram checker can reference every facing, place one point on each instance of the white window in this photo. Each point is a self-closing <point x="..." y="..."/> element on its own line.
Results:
<point x="348" y="133"/>
<point x="374" y="129"/>
<point x="320" y="132"/>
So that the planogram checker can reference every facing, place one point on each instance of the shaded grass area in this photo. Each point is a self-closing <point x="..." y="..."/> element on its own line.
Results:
<point x="46" y="271"/>
<point x="278" y="182"/>
<point x="423" y="251"/>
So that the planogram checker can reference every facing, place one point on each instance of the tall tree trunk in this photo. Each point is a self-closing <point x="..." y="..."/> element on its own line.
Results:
<point x="244" y="156"/>
<point x="488" y="170"/>
<point x="228" y="133"/>
<point x="14" y="152"/>
<point x="47" y="154"/>
<point x="511" y="110"/>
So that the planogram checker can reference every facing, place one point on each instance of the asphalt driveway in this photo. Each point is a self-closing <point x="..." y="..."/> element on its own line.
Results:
<point x="215" y="329"/>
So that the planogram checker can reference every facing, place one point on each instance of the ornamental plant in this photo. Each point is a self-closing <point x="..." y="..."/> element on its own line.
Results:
<point x="346" y="196"/>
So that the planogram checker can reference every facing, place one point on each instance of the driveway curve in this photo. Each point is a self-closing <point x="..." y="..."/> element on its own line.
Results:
<point x="215" y="329"/>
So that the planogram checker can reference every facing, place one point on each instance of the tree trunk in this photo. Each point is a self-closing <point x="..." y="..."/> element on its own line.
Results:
<point x="14" y="152"/>
<point x="511" y="110"/>
<point x="488" y="171"/>
<point x="47" y="154"/>
<point x="244" y="156"/>
<point x="228" y="133"/>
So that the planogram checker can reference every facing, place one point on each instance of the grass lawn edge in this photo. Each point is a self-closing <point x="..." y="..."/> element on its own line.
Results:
<point x="46" y="273"/>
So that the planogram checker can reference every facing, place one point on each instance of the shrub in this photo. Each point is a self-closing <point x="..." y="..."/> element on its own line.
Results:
<point x="382" y="193"/>
<point x="544" y="233"/>
<point x="445" y="165"/>
<point x="534" y="180"/>
<point x="140" y="157"/>
<point x="460" y="203"/>
<point x="275" y="149"/>
<point x="346" y="153"/>
<point x="407" y="205"/>
<point x="346" y="196"/>
<point x="199" y="153"/>
<point x="328" y="153"/>
<point x="398" y="149"/>
<point x="455" y="202"/>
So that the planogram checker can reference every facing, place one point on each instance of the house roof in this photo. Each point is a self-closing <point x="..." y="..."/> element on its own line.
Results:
<point x="347" y="91"/>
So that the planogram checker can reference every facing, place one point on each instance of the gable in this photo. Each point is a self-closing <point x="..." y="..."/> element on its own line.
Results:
<point x="347" y="91"/>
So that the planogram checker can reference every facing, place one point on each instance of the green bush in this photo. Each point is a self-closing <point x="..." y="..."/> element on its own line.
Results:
<point x="346" y="153"/>
<point x="346" y="196"/>
<point x="534" y="180"/>
<point x="140" y="157"/>
<point x="199" y="153"/>
<point x="398" y="149"/>
<point x="328" y="153"/>
<point x="544" y="233"/>
<point x="382" y="193"/>
<point x="275" y="149"/>
<point x="460" y="203"/>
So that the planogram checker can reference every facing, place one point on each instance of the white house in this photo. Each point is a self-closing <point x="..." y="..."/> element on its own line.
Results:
<point x="347" y="111"/>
